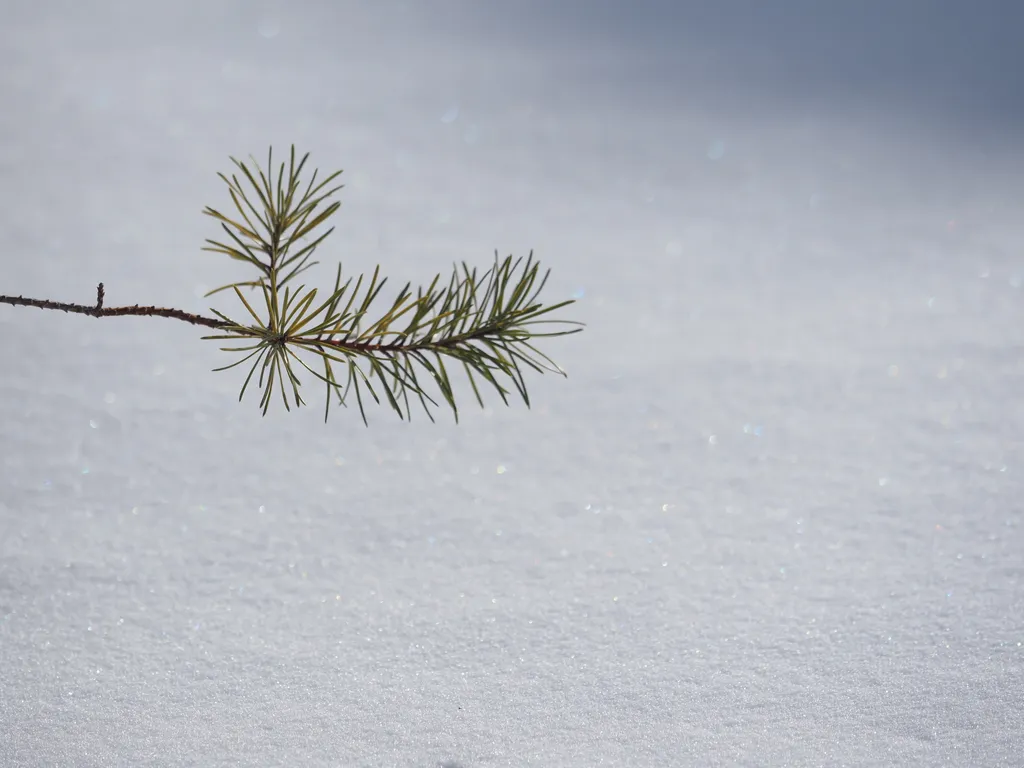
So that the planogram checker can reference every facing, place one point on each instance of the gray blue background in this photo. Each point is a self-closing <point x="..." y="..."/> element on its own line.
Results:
<point x="772" y="517"/>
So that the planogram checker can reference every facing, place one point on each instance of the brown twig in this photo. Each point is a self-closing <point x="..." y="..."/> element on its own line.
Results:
<point x="98" y="310"/>
<point x="346" y="346"/>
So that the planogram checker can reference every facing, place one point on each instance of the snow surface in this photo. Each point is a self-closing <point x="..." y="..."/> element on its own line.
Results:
<point x="773" y="516"/>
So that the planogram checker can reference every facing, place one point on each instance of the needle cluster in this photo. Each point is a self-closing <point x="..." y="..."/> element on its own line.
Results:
<point x="486" y="324"/>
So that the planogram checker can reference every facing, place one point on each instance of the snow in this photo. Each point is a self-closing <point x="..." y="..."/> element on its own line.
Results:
<point x="773" y="515"/>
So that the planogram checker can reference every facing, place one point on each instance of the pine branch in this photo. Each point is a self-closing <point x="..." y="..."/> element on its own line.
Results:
<point x="98" y="310"/>
<point x="485" y="322"/>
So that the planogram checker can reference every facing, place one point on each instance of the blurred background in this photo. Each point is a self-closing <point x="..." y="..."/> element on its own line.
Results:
<point x="771" y="516"/>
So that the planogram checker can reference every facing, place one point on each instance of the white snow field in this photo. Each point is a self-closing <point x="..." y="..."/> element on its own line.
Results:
<point x="773" y="516"/>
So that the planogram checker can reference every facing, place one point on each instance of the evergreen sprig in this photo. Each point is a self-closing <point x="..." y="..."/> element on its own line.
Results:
<point x="486" y="323"/>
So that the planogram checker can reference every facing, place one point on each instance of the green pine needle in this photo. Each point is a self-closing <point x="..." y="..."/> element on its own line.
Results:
<point x="485" y="321"/>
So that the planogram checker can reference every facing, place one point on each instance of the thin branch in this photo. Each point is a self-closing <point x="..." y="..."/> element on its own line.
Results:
<point x="481" y="322"/>
<point x="98" y="310"/>
<point x="344" y="347"/>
